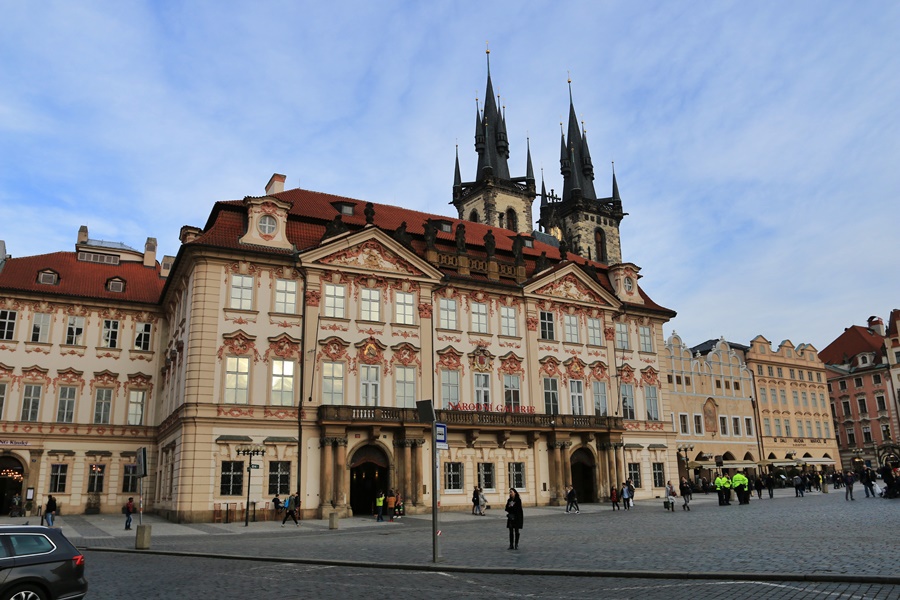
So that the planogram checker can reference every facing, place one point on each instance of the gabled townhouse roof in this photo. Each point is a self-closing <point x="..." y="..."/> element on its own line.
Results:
<point x="854" y="340"/>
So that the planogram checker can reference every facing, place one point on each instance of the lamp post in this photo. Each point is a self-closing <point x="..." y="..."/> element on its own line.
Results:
<point x="686" y="448"/>
<point x="857" y="460"/>
<point x="250" y="451"/>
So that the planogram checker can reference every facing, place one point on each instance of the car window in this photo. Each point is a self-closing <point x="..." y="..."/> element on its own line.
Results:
<point x="4" y="553"/>
<point x="25" y="543"/>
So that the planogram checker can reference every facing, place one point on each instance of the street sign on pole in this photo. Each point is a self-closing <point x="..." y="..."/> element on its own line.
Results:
<point x="441" y="436"/>
<point x="253" y="466"/>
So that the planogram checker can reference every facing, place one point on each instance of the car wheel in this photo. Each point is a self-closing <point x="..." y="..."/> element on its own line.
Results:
<point x="26" y="592"/>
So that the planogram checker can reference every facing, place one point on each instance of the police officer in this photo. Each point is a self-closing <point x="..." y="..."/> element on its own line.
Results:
<point x="740" y="483"/>
<point x="726" y="488"/>
<point x="720" y="490"/>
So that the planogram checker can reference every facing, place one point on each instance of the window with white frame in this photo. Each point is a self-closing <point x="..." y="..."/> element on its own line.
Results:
<point x="237" y="379"/>
<point x="110" y="333"/>
<point x="809" y="429"/>
<point x="763" y="396"/>
<point x="405" y="387"/>
<point x="517" y="475"/>
<point x="645" y="338"/>
<point x="511" y="391"/>
<point x="482" y="388"/>
<point x="684" y="424"/>
<point x="58" y="475"/>
<point x="787" y="428"/>
<point x="634" y="474"/>
<point x="142" y="336"/>
<point x="551" y="395"/>
<point x="595" y="331"/>
<point x="698" y="424"/>
<point x="65" y="412"/>
<point x="285" y="296"/>
<point x="570" y="327"/>
<point x="767" y="427"/>
<point x="867" y="433"/>
<point x="851" y="436"/>
<point x="241" y="294"/>
<point x="486" y="476"/>
<point x="659" y="475"/>
<point x="735" y="426"/>
<point x="778" y="427"/>
<point x="31" y="402"/>
<point x="333" y="383"/>
<point x="880" y="403"/>
<point x="818" y="429"/>
<point x="748" y="426"/>
<point x="627" y="400"/>
<point x="96" y="476"/>
<point x="508" y="323"/>
<point x="547" y="326"/>
<point x="479" y="317"/>
<point x="622" y="336"/>
<point x="231" y="482"/>
<point x="75" y="331"/>
<point x="861" y="401"/>
<point x="280" y="477"/>
<point x="876" y="379"/>
<point x="129" y="479"/>
<point x="576" y="396"/>
<point x="136" y="400"/>
<point x="453" y="476"/>
<point x="370" y="384"/>
<point x="447" y="313"/>
<point x="40" y="328"/>
<point x="827" y="429"/>
<point x="7" y="324"/>
<point x="335" y="301"/>
<point x="403" y="308"/>
<point x="652" y="400"/>
<point x="601" y="403"/>
<point x="449" y="388"/>
<point x="282" y="392"/>
<point x="723" y="425"/>
<point x="370" y="304"/>
<point x="102" y="405"/>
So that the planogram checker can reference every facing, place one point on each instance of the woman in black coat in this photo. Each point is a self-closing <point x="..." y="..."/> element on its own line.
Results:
<point x="515" y="518"/>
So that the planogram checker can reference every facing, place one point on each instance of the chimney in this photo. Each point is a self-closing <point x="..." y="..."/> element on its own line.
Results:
<point x="876" y="325"/>
<point x="166" y="266"/>
<point x="275" y="185"/>
<point x="150" y="252"/>
<point x="82" y="235"/>
<point x="3" y="255"/>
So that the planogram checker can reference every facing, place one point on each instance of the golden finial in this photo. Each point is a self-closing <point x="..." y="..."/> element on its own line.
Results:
<point x="487" y="47"/>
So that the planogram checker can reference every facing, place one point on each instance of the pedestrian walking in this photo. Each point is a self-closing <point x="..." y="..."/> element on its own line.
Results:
<point x="614" y="498"/>
<point x="128" y="509"/>
<point x="758" y="484"/>
<point x="391" y="501"/>
<point x="670" y="496"/>
<point x="398" y="505"/>
<point x="379" y="506"/>
<point x="687" y="493"/>
<point x="50" y="511"/>
<point x="627" y="491"/>
<point x="482" y="501"/>
<point x="290" y="509"/>
<point x="798" y="486"/>
<point x="770" y="485"/>
<point x="848" y="484"/>
<point x="515" y="518"/>
<point x="571" y="500"/>
<point x="476" y="502"/>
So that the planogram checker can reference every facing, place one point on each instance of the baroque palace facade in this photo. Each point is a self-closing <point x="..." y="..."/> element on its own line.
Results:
<point x="307" y="325"/>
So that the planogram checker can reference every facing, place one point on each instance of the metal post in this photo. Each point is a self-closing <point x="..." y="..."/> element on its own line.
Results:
<point x="247" y="511"/>
<point x="435" y="518"/>
<point x="141" y="502"/>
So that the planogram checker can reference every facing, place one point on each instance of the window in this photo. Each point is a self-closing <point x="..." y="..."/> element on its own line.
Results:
<point x="796" y="397"/>
<point x="684" y="426"/>
<point x="595" y="332"/>
<point x="447" y="316"/>
<point x="31" y="402"/>
<point x="482" y="389"/>
<point x="622" y="336"/>
<point x="818" y="377"/>
<point x="129" y="479"/>
<point x="142" y="336"/>
<point x="576" y="396"/>
<point x="370" y="382"/>
<point x="879" y="401"/>
<point x="763" y="396"/>
<point x="735" y="426"/>
<point x="876" y="379"/>
<point x="767" y="428"/>
<point x="75" y="331"/>
<point x="110" y="333"/>
<point x="58" y="476"/>
<point x="601" y="406"/>
<point x="370" y="305"/>
<point x="267" y="225"/>
<point x="829" y="387"/>
<point x="511" y="392"/>
<point x="40" y="328"/>
<point x="136" y="407"/>
<point x="659" y="475"/>
<point x="627" y="401"/>
<point x="47" y="278"/>
<point x="486" y="476"/>
<point x="818" y="429"/>
<point x="651" y="398"/>
<point x="780" y="372"/>
<point x="405" y="387"/>
<point x="453" y="476"/>
<point x="570" y="327"/>
<point x="449" y="388"/>
<point x="333" y="383"/>
<point x="748" y="426"/>
<point x="107" y="259"/>
<point x="547" y="332"/>
<point x="403" y="308"/>
<point x="102" y="406"/>
<point x="282" y="382"/>
<point x="783" y="395"/>
<point x="845" y="406"/>
<point x="759" y="370"/>
<point x="867" y="434"/>
<point x="634" y="474"/>
<point x="771" y="371"/>
<point x="508" y="323"/>
<point x="241" y="292"/>
<point x="2" y="398"/>
<point x="698" y="424"/>
<point x="517" y="475"/>
<point x="551" y="396"/>
<point x="862" y="405"/>
<point x="723" y="425"/>
<point x="812" y="400"/>
<point x="842" y="384"/>
<point x="7" y="324"/>
<point x="805" y="400"/>
<point x="285" y="296"/>
<point x="792" y="374"/>
<point x="96" y="475"/>
<point x="115" y="285"/>
<point x="857" y="382"/>
<point x="851" y="437"/>
<point x="237" y="379"/>
<point x="778" y="427"/>
<point x="646" y="339"/>
<point x="65" y="412"/>
<point x="280" y="477"/>
<point x="232" y="481"/>
<point x="827" y="429"/>
<point x="479" y="317"/>
<point x="334" y="301"/>
<point x="787" y="428"/>
<point x="809" y="429"/>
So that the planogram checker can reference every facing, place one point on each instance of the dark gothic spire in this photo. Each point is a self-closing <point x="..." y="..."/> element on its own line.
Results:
<point x="615" y="192"/>
<point x="579" y="173"/>
<point x="457" y="179"/>
<point x="490" y="135"/>
<point x="529" y="170"/>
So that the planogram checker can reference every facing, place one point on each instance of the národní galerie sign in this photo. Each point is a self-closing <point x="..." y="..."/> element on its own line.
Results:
<point x="489" y="408"/>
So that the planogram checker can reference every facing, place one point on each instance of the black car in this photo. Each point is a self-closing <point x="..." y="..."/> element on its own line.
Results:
<point x="39" y="563"/>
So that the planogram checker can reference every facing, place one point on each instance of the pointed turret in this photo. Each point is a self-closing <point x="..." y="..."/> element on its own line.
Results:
<point x="615" y="190"/>
<point x="529" y="170"/>
<point x="581" y="171"/>
<point x="493" y="149"/>
<point x="457" y="178"/>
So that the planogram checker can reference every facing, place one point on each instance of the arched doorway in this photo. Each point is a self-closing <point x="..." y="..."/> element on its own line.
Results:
<point x="584" y="478"/>
<point x="369" y="474"/>
<point x="11" y="474"/>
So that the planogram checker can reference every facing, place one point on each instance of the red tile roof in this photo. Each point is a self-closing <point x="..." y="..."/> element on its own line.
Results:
<point x="855" y="340"/>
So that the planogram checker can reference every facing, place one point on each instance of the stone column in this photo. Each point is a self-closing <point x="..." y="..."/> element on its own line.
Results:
<point x="554" y="468"/>
<point x="342" y="473"/>
<point x="567" y="463"/>
<point x="407" y="469"/>
<point x="326" y="444"/>
<point x="560" y="471"/>
<point x="620" y="462"/>
<point x="611" y="466"/>
<point x="417" y="468"/>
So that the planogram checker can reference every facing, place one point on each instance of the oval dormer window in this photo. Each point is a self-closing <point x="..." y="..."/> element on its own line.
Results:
<point x="629" y="284"/>
<point x="267" y="225"/>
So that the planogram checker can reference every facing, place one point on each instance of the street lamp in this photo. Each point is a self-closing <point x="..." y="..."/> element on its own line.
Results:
<point x="857" y="460"/>
<point x="250" y="451"/>
<point x="685" y="448"/>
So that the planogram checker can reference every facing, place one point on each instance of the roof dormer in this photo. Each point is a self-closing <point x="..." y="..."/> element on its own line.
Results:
<point x="266" y="221"/>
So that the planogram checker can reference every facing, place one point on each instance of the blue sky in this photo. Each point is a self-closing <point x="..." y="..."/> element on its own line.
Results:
<point x="757" y="145"/>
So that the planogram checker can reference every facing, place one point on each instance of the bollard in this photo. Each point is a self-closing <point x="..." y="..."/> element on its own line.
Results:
<point x="142" y="538"/>
<point x="332" y="520"/>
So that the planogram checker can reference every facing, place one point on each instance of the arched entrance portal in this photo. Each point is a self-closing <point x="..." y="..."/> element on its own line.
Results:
<point x="369" y="474"/>
<point x="584" y="478"/>
<point x="11" y="475"/>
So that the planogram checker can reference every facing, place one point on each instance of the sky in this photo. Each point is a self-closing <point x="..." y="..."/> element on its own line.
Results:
<point x="756" y="144"/>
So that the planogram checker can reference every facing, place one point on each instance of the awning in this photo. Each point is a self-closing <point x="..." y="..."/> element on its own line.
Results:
<point x="784" y="463"/>
<point x="730" y="464"/>
<point x="701" y="464"/>
<point x="817" y="461"/>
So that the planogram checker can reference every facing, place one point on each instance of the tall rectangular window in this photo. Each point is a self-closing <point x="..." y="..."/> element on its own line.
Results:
<point x="551" y="395"/>
<point x="2" y="398"/>
<point x="867" y="433"/>
<point x="767" y="427"/>
<point x="75" y="331"/>
<point x="547" y="326"/>
<point x="511" y="392"/>
<point x="232" y="480"/>
<point x="285" y="296"/>
<point x="31" y="402"/>
<point x="804" y="398"/>
<point x="809" y="429"/>
<point x="282" y="382"/>
<point x="576" y="396"/>
<point x="595" y="331"/>
<point x="827" y="429"/>
<point x="634" y="474"/>
<point x="735" y="426"/>
<point x="818" y="429"/>
<point x="763" y="397"/>
<point x="7" y="324"/>
<point x="796" y="397"/>
<point x="102" y="406"/>
<point x="58" y="476"/>
<point x="698" y="425"/>
<point x="659" y="474"/>
<point x="486" y="476"/>
<point x="517" y="475"/>
<point x="403" y="308"/>
<point x="453" y="476"/>
<point x="335" y="303"/>
<point x="627" y="400"/>
<point x="601" y="405"/>
<point x="280" y="477"/>
<point x="646" y="338"/>
<point x="650" y="395"/>
<point x="447" y="313"/>
<point x="787" y="428"/>
<point x="845" y="405"/>
<point x="862" y="405"/>
<point x="96" y="476"/>
<point x="748" y="426"/>
<point x="482" y="388"/>
<point x="40" y="328"/>
<point x="723" y="425"/>
<point x="129" y="479"/>
<point x="241" y="295"/>
<point x="142" y="336"/>
<point x="479" y="317"/>
<point x="570" y="325"/>
<point x="783" y="395"/>
<point x="136" y="407"/>
<point x="65" y="412"/>
<point x="237" y="379"/>
<point x="771" y="371"/>
<point x="508" y="323"/>
<point x="778" y="427"/>
<point x="449" y="388"/>
<point x="333" y="383"/>
<point x="780" y="372"/>
<point x="880" y="403"/>
<point x="851" y="437"/>
<point x="370" y="385"/>
<point x="622" y="336"/>
<point x="370" y="304"/>
<point x="405" y="387"/>
<point x="110" y="333"/>
<point x="684" y="425"/>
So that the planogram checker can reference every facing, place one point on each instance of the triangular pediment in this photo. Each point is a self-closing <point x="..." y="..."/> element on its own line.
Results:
<point x="370" y="251"/>
<point x="570" y="284"/>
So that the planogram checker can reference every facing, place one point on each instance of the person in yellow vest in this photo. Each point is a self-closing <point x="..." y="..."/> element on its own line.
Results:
<point x="740" y="483"/>
<point x="379" y="506"/>
<point x="720" y="489"/>
<point x="726" y="488"/>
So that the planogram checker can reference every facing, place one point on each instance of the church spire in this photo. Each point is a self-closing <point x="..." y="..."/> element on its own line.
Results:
<point x="493" y="146"/>
<point x="457" y="178"/>
<point x="529" y="170"/>
<point x="615" y="190"/>
<point x="580" y="174"/>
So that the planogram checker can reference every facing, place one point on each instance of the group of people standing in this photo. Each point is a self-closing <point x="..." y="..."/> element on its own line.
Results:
<point x="479" y="502"/>
<point x="625" y="493"/>
<point x="393" y="502"/>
